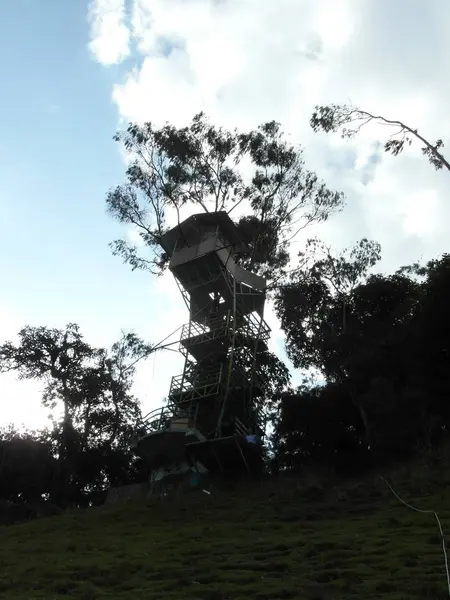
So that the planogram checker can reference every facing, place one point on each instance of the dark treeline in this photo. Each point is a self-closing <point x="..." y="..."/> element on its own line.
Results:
<point x="383" y="347"/>
<point x="87" y="449"/>
<point x="380" y="342"/>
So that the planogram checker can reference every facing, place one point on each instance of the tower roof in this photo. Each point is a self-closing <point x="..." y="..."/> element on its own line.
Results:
<point x="190" y="230"/>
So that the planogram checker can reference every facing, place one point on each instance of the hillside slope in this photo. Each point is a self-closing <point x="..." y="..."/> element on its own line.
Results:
<point x="276" y="540"/>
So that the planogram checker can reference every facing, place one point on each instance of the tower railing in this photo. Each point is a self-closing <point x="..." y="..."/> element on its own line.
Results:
<point x="245" y="324"/>
<point x="189" y="386"/>
<point x="158" y="419"/>
<point x="212" y="328"/>
<point x="165" y="417"/>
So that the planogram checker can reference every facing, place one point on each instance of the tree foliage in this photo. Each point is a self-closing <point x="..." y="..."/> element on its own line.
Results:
<point x="212" y="169"/>
<point x="385" y="371"/>
<point x="91" y="387"/>
<point x="27" y="465"/>
<point x="349" y="120"/>
<point x="313" y="306"/>
<point x="318" y="425"/>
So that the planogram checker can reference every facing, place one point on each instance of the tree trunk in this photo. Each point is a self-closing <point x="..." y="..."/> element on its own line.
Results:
<point x="365" y="420"/>
<point x="62" y="469"/>
<point x="363" y="414"/>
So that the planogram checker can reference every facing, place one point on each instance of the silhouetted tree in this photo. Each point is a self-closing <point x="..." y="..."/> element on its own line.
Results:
<point x="212" y="169"/>
<point x="371" y="350"/>
<point x="432" y="340"/>
<point x="27" y="466"/>
<point x="349" y="120"/>
<point x="319" y="425"/>
<point x="99" y="414"/>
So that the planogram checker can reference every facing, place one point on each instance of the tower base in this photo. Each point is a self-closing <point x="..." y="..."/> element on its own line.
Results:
<point x="228" y="455"/>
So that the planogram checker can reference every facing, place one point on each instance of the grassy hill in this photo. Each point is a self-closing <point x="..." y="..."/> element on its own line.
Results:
<point x="281" y="539"/>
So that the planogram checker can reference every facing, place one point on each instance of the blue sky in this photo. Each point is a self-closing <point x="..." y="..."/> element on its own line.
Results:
<point x="57" y="160"/>
<point x="69" y="81"/>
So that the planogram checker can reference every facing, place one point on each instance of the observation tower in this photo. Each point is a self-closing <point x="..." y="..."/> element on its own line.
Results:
<point x="214" y="418"/>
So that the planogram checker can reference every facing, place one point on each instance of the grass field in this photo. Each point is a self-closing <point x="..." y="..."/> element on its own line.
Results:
<point x="285" y="539"/>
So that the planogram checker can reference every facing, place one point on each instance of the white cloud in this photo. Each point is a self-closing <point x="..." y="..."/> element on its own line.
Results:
<point x="133" y="237"/>
<point x="334" y="23"/>
<point x="110" y="35"/>
<point x="421" y="214"/>
<point x="21" y="403"/>
<point x="217" y="47"/>
<point x="247" y="61"/>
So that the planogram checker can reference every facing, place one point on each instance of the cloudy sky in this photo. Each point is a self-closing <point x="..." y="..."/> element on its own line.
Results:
<point x="74" y="72"/>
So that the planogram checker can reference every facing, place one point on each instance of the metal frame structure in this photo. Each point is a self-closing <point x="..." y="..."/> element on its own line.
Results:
<point x="220" y="392"/>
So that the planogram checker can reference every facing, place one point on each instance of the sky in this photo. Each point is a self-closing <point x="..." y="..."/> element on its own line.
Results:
<point x="75" y="72"/>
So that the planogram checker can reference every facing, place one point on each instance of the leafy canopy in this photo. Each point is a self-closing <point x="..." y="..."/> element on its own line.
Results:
<point x="206" y="168"/>
<point x="92" y="388"/>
